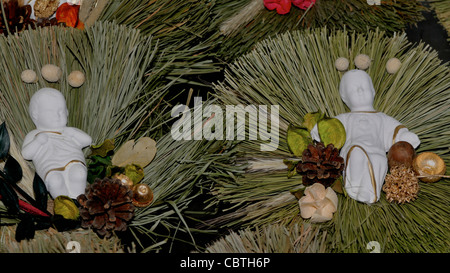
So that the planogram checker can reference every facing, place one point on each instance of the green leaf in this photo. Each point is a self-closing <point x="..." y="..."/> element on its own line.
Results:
<point x="134" y="172"/>
<point x="8" y="195"/>
<point x="292" y="167"/>
<point x="331" y="131"/>
<point x="66" y="207"/>
<point x="298" y="193"/>
<point x="13" y="170"/>
<point x="40" y="193"/>
<point x="310" y="119"/>
<point x="103" y="149"/>
<point x="298" y="139"/>
<point x="140" y="153"/>
<point x="4" y="141"/>
<point x="97" y="167"/>
<point x="26" y="228"/>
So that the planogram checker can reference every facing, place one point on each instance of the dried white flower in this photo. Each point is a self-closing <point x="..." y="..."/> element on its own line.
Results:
<point x="362" y="61"/>
<point x="319" y="203"/>
<point x="76" y="78"/>
<point x="29" y="76"/>
<point x="51" y="72"/>
<point x="393" y="65"/>
<point x="341" y="64"/>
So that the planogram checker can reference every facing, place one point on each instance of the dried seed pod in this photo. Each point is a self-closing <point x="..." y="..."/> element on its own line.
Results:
<point x="401" y="185"/>
<point x="142" y="195"/>
<point x="428" y="163"/>
<point x="45" y="8"/>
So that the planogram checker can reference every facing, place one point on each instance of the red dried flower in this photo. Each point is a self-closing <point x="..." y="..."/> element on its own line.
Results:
<point x="68" y="14"/>
<point x="282" y="6"/>
<point x="303" y="4"/>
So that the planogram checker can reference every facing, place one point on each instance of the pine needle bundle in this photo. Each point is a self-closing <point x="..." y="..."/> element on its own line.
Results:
<point x="442" y="9"/>
<point x="247" y="22"/>
<point x="51" y="241"/>
<point x="272" y="239"/>
<point x="184" y="29"/>
<point x="296" y="71"/>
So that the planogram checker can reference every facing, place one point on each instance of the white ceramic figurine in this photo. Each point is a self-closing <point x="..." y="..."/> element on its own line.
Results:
<point x="54" y="148"/>
<point x="370" y="134"/>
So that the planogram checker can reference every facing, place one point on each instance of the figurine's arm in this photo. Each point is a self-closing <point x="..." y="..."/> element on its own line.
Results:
<point x="405" y="135"/>
<point x="32" y="144"/>
<point x="78" y="136"/>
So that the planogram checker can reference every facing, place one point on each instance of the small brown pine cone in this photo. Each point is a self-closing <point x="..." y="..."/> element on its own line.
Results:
<point x="106" y="206"/>
<point x="320" y="164"/>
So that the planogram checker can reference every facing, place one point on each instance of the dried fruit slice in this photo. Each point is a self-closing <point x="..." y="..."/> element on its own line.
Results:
<point x="331" y="131"/>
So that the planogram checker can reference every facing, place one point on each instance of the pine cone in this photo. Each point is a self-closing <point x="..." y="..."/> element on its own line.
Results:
<point x="320" y="164"/>
<point x="17" y="17"/>
<point x="106" y="206"/>
<point x="401" y="185"/>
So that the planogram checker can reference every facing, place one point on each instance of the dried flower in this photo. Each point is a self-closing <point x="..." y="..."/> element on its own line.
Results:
<point x="68" y="14"/>
<point x="401" y="185"/>
<point x="303" y="4"/>
<point x="29" y="76"/>
<point x="282" y="6"/>
<point x="319" y="203"/>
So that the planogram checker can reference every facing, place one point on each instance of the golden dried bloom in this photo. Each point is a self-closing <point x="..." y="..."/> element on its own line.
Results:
<point x="401" y="185"/>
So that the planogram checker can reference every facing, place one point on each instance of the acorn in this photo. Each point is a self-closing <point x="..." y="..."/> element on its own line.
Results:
<point x="428" y="163"/>
<point x="401" y="153"/>
<point x="142" y="195"/>
<point x="125" y="180"/>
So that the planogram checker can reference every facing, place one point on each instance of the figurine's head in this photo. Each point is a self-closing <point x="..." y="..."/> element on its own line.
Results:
<point x="48" y="109"/>
<point x="357" y="91"/>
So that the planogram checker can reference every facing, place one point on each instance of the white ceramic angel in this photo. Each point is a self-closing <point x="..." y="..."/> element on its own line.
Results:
<point x="370" y="134"/>
<point x="54" y="148"/>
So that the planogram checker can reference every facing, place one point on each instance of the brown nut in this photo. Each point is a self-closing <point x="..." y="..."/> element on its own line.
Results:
<point x="142" y="195"/>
